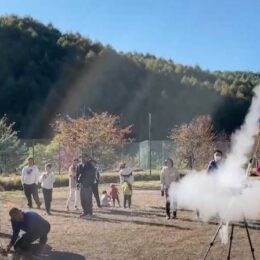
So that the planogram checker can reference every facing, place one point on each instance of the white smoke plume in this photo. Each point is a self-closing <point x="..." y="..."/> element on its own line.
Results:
<point x="226" y="193"/>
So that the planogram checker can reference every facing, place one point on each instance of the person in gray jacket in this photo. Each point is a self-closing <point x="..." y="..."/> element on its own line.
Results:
<point x="169" y="174"/>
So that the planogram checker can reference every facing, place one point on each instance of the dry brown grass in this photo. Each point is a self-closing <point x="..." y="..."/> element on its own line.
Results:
<point x="139" y="233"/>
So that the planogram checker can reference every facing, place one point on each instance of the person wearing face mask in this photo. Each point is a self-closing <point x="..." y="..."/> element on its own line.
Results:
<point x="169" y="175"/>
<point x="214" y="165"/>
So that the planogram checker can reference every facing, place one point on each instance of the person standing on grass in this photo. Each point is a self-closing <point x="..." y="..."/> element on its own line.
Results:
<point x="96" y="183"/>
<point x="169" y="175"/>
<point x="47" y="180"/>
<point x="114" y="194"/>
<point x="127" y="191"/>
<point x="85" y="178"/>
<point x="34" y="226"/>
<point x="73" y="189"/>
<point x="29" y="179"/>
<point x="126" y="174"/>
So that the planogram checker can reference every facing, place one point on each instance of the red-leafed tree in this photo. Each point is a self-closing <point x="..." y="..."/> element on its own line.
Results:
<point x="194" y="141"/>
<point x="99" y="135"/>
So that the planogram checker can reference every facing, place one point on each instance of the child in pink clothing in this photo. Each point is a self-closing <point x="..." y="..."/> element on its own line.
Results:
<point x="113" y="192"/>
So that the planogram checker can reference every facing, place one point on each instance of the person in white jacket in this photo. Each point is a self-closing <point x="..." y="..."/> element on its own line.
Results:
<point x="169" y="175"/>
<point x="47" y="180"/>
<point x="29" y="179"/>
<point x="126" y="174"/>
<point x="73" y="190"/>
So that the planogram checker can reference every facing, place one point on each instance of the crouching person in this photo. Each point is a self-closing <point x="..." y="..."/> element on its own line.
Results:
<point x="34" y="226"/>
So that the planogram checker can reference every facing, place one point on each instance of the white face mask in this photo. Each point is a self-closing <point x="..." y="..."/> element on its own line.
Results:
<point x="217" y="158"/>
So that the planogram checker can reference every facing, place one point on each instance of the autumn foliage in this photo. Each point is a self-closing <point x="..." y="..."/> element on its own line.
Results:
<point x="98" y="135"/>
<point x="194" y="141"/>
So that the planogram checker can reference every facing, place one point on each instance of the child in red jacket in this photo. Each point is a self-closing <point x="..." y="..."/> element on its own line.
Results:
<point x="113" y="192"/>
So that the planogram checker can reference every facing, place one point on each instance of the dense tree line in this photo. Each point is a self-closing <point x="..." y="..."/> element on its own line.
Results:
<point x="44" y="72"/>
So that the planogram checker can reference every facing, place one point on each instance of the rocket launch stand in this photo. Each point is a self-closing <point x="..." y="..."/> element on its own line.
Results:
<point x="231" y="240"/>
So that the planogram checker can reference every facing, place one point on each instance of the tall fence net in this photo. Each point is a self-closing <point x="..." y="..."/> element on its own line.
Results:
<point x="139" y="155"/>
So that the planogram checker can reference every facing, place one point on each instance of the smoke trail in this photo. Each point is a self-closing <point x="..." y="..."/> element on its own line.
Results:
<point x="227" y="193"/>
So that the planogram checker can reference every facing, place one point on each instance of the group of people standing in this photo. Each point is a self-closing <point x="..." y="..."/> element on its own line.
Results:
<point x="109" y="197"/>
<point x="84" y="178"/>
<point x="31" y="178"/>
<point x="83" y="182"/>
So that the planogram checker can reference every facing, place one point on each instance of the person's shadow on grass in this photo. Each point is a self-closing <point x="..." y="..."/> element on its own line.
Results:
<point x="46" y="253"/>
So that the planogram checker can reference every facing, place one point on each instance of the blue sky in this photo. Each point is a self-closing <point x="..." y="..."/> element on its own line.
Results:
<point x="217" y="35"/>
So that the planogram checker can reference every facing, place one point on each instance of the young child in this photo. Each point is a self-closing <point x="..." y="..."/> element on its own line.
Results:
<point x="127" y="191"/>
<point x="47" y="180"/>
<point x="105" y="199"/>
<point x="113" y="193"/>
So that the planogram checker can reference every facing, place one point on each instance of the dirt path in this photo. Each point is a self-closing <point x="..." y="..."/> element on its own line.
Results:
<point x="139" y="233"/>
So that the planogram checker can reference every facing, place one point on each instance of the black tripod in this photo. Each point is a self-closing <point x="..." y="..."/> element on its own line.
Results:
<point x="230" y="240"/>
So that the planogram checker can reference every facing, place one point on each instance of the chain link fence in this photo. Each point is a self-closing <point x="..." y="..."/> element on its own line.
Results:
<point x="141" y="156"/>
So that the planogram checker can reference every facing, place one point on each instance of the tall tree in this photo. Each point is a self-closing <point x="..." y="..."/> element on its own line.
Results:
<point x="99" y="135"/>
<point x="11" y="148"/>
<point x="194" y="141"/>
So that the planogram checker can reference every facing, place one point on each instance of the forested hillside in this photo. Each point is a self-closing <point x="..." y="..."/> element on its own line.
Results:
<point x="44" y="73"/>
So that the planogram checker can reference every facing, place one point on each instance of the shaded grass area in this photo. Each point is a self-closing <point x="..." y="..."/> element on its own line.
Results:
<point x="139" y="233"/>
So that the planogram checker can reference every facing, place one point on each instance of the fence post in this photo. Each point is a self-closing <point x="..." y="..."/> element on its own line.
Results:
<point x="59" y="158"/>
<point x="33" y="150"/>
<point x="150" y="150"/>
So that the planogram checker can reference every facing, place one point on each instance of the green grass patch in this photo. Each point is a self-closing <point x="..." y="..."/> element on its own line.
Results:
<point x="13" y="182"/>
<point x="142" y="179"/>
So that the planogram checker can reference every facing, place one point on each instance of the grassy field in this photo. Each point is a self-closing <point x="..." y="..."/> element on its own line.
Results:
<point x="13" y="181"/>
<point x="139" y="233"/>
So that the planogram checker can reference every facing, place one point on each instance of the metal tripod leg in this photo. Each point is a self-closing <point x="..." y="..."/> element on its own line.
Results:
<point x="230" y="241"/>
<point x="212" y="241"/>
<point x="249" y="240"/>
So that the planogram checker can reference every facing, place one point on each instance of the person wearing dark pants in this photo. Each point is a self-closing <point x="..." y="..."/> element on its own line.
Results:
<point x="34" y="226"/>
<point x="47" y="180"/>
<point x="29" y="179"/>
<point x="31" y="190"/>
<point x="86" y="199"/>
<point x="127" y="191"/>
<point x="96" y="183"/>
<point x="47" y="195"/>
<point x="168" y="206"/>
<point x="169" y="175"/>
<point x="127" y="201"/>
<point x="96" y="194"/>
<point x="85" y="177"/>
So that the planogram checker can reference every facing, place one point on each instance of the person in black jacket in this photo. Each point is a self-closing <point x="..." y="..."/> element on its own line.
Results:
<point x="96" y="183"/>
<point x="214" y="165"/>
<point x="85" y="178"/>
